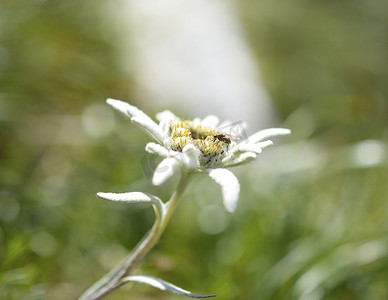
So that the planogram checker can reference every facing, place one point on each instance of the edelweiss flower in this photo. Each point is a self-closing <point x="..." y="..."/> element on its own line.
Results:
<point x="198" y="146"/>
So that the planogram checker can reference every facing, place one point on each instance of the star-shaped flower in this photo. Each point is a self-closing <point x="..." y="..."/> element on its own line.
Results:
<point x="198" y="146"/>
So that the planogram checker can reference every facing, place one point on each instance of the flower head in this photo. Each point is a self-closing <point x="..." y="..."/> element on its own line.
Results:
<point x="198" y="146"/>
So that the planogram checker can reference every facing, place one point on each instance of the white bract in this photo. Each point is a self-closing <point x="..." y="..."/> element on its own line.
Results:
<point x="198" y="146"/>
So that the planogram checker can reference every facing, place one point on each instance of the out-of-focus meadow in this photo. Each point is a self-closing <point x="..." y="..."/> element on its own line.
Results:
<point x="312" y="221"/>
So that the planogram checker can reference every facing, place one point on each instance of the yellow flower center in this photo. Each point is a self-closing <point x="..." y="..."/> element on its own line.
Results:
<point x="206" y="139"/>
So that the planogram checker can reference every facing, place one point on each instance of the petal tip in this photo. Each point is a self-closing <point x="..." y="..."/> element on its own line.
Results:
<point x="112" y="101"/>
<point x="100" y="194"/>
<point x="287" y="131"/>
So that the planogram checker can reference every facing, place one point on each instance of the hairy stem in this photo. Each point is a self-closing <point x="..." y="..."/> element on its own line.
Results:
<point x="112" y="280"/>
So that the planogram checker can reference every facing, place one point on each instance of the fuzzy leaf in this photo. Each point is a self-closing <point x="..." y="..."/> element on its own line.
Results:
<point x="163" y="285"/>
<point x="134" y="197"/>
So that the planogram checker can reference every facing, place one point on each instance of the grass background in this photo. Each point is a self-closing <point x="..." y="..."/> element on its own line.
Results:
<point x="312" y="218"/>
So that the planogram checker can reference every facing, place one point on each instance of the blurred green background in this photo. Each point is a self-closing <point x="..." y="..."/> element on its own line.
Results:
<point x="312" y="218"/>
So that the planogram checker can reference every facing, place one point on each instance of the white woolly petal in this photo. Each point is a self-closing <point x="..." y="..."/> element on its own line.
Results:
<point x="190" y="157"/>
<point x="197" y="120"/>
<point x="227" y="159"/>
<point x="165" y="116"/>
<point x="266" y="133"/>
<point x="243" y="158"/>
<point x="126" y="108"/>
<point x="139" y="117"/>
<point x="150" y="127"/>
<point x="264" y="144"/>
<point x="210" y="121"/>
<point x="229" y="185"/>
<point x="167" y="167"/>
<point x="255" y="148"/>
<point x="133" y="197"/>
<point x="156" y="149"/>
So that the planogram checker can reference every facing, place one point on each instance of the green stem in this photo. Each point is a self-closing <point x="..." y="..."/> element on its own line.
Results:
<point x="112" y="280"/>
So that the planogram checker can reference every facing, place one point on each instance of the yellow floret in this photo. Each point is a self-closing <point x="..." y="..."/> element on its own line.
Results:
<point x="185" y="132"/>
